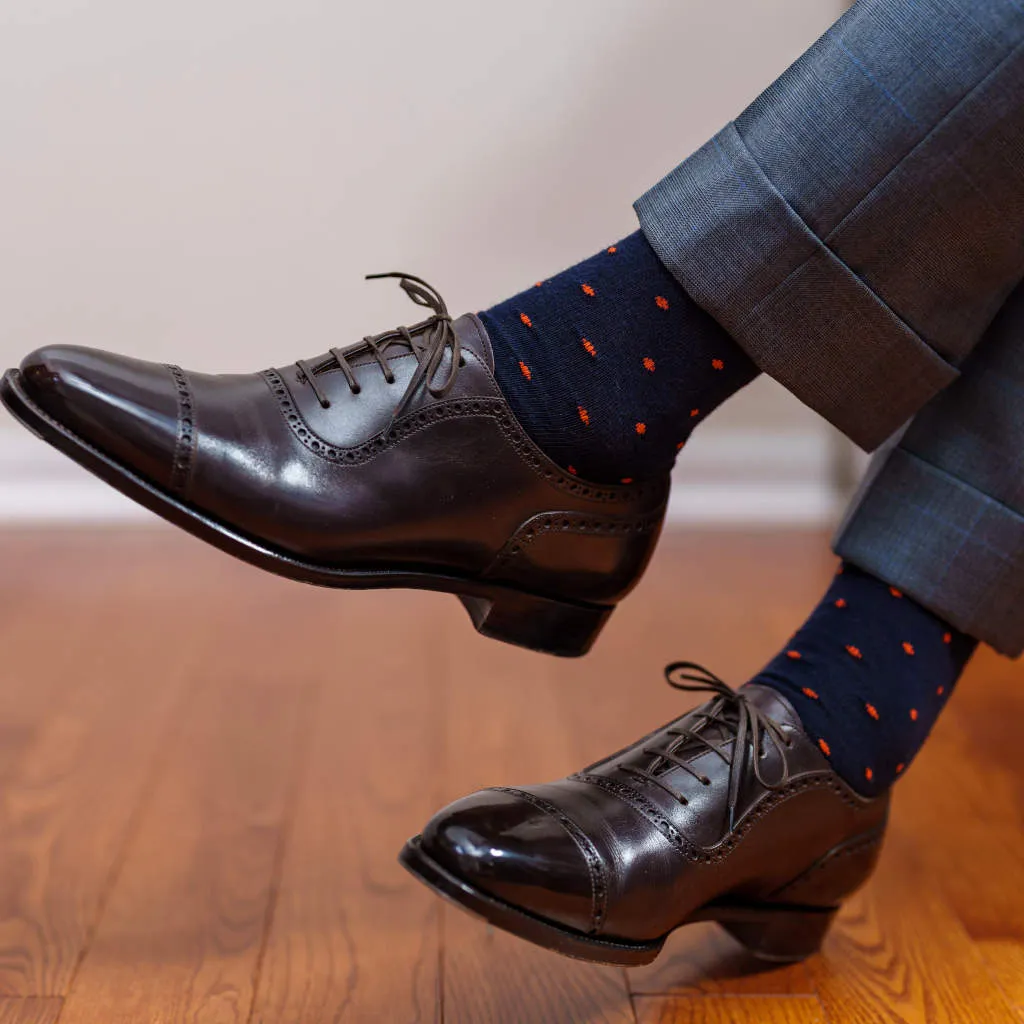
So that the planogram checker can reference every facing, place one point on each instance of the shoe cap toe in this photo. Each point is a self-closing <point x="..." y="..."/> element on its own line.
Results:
<point x="127" y="408"/>
<point x="517" y="847"/>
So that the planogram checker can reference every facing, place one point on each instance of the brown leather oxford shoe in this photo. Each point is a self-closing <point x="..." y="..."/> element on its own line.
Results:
<point x="729" y="814"/>
<point x="394" y="462"/>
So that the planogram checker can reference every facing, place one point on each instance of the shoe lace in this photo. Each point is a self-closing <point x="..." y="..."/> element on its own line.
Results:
<point x="428" y="341"/>
<point x="734" y="713"/>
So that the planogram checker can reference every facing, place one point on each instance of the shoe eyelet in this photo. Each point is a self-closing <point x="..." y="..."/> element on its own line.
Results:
<point x="462" y="361"/>
<point x="705" y="781"/>
<point x="356" y="390"/>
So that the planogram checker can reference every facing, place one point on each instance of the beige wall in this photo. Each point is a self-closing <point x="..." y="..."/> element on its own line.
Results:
<point x="207" y="180"/>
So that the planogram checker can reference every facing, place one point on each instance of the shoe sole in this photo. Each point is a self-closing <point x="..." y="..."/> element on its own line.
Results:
<point x="777" y="933"/>
<point x="513" y="616"/>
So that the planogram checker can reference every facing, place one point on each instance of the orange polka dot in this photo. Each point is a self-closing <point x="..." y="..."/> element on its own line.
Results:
<point x="526" y="320"/>
<point x="525" y="370"/>
<point x="853" y="652"/>
<point x="584" y="415"/>
<point x="895" y="592"/>
<point x="612" y="250"/>
<point x="626" y="480"/>
<point x="872" y="711"/>
<point x="587" y="290"/>
<point x="718" y="364"/>
<point x="538" y="284"/>
<point x="808" y="692"/>
<point x="641" y="429"/>
<point x="694" y="413"/>
<point x="947" y="638"/>
<point x="572" y="469"/>
<point x="825" y="748"/>
<point x="649" y="364"/>
<point x="868" y="774"/>
<point x="661" y="301"/>
<point x="588" y="347"/>
<point x="795" y="655"/>
<point x="913" y="714"/>
<point x="680" y="446"/>
<point x="909" y="648"/>
<point x="900" y="767"/>
<point x="840" y="603"/>
<point x="941" y="690"/>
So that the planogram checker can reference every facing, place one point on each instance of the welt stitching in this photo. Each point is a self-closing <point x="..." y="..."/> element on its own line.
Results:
<point x="491" y="408"/>
<point x="595" y="865"/>
<point x="184" y="446"/>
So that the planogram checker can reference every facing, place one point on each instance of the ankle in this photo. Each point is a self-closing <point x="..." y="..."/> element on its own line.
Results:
<point x="609" y="366"/>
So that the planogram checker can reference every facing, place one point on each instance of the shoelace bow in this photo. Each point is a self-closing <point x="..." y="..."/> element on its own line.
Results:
<point x="732" y="710"/>
<point x="428" y="340"/>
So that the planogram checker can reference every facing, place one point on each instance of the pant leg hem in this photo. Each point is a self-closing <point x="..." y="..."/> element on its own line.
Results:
<point x="944" y="543"/>
<point x="800" y="313"/>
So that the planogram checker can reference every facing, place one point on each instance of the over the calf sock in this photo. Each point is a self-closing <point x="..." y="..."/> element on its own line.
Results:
<point x="610" y="365"/>
<point x="868" y="674"/>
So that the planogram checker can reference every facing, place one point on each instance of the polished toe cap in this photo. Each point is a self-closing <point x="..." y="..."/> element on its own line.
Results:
<point x="520" y="848"/>
<point x="127" y="408"/>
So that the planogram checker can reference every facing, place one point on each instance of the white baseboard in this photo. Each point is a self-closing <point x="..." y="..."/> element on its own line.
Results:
<point x="728" y="478"/>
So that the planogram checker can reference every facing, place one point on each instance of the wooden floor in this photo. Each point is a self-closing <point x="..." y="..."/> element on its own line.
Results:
<point x="206" y="774"/>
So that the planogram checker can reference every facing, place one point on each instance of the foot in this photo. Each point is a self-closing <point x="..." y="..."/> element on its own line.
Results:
<point x="731" y="814"/>
<point x="393" y="462"/>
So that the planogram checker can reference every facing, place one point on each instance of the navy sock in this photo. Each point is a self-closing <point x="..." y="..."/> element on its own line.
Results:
<point x="868" y="674"/>
<point x="610" y="365"/>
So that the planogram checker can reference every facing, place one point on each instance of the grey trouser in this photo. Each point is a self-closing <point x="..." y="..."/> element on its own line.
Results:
<point x="859" y="230"/>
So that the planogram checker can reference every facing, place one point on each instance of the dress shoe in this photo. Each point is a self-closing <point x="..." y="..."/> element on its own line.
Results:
<point x="394" y="462"/>
<point x="729" y="814"/>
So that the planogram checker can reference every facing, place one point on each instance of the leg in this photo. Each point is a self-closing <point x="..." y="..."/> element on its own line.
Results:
<point x="934" y="546"/>
<point x="859" y="225"/>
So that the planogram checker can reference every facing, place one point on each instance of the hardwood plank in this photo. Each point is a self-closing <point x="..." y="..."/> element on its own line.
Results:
<point x="104" y="632"/>
<point x="1005" y="961"/>
<point x="30" y="1011"/>
<point x="354" y="936"/>
<point x="899" y="953"/>
<point x="81" y="770"/>
<point x="703" y="959"/>
<point x="505" y="727"/>
<point x="972" y="772"/>
<point x="183" y="927"/>
<point x="729" y="1010"/>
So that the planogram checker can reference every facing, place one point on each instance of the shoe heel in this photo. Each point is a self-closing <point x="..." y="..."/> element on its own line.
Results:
<point x="539" y="623"/>
<point x="785" y="934"/>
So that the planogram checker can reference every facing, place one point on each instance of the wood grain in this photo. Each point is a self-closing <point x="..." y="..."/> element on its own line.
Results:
<point x="729" y="1010"/>
<point x="354" y="936"/>
<point x="86" y="741"/>
<point x="703" y="959"/>
<point x="206" y="774"/>
<point x="30" y="1011"/>
<point x="899" y="954"/>
<point x="1005" y="961"/>
<point x="182" y="931"/>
